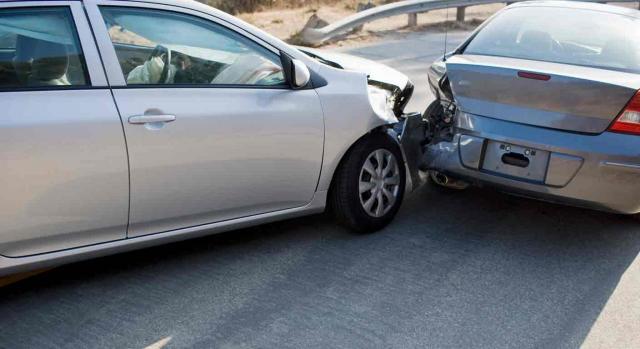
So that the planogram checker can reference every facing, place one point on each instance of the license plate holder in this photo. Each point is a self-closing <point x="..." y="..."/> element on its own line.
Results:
<point x="516" y="161"/>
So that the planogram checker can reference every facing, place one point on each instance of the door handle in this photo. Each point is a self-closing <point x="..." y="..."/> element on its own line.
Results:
<point x="146" y="119"/>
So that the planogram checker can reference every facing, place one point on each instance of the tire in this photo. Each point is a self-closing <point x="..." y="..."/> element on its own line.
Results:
<point x="362" y="212"/>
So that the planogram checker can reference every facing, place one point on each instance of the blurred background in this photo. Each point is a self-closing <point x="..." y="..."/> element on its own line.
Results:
<point x="286" y="18"/>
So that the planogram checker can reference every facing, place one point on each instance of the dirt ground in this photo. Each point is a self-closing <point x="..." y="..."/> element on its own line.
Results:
<point x="285" y="23"/>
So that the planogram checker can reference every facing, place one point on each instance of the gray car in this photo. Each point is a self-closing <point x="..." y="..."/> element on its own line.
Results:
<point x="127" y="124"/>
<point x="542" y="101"/>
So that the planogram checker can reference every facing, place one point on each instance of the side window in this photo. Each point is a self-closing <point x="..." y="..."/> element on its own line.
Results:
<point x="164" y="47"/>
<point x="40" y="47"/>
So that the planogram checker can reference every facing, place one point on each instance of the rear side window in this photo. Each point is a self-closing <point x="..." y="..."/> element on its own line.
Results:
<point x="562" y="35"/>
<point x="39" y="47"/>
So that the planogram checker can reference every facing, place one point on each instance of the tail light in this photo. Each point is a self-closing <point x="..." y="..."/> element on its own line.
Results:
<point x="629" y="120"/>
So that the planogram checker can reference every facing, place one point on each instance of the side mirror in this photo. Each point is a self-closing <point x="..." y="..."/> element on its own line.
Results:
<point x="296" y="72"/>
<point x="301" y="74"/>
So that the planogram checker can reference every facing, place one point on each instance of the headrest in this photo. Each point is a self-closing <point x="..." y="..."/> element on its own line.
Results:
<point x="25" y="47"/>
<point x="50" y="61"/>
<point x="536" y="40"/>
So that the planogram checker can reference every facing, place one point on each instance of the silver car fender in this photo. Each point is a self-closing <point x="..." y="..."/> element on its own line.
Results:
<point x="348" y="116"/>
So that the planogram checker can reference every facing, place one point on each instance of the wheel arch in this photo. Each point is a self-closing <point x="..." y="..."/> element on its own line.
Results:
<point x="382" y="130"/>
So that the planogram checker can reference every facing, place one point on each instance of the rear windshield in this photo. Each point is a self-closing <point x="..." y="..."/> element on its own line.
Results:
<point x="562" y="35"/>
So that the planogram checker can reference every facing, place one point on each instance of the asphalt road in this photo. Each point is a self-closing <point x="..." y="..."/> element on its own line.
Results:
<point x="456" y="269"/>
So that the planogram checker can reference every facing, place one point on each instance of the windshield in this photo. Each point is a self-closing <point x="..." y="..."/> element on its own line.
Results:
<point x="562" y="35"/>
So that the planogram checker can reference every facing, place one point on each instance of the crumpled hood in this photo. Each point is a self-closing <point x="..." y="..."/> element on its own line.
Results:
<point x="376" y="71"/>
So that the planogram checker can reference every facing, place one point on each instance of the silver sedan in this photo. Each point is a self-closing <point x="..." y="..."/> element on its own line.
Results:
<point x="542" y="101"/>
<point x="126" y="124"/>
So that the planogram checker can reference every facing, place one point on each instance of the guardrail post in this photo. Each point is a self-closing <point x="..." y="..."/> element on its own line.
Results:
<point x="413" y="20"/>
<point x="460" y="14"/>
<point x="363" y="7"/>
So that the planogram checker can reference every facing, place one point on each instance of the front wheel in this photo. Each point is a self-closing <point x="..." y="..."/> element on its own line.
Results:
<point x="369" y="185"/>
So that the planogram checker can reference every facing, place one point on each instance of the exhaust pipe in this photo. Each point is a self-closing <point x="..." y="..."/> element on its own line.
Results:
<point x="443" y="180"/>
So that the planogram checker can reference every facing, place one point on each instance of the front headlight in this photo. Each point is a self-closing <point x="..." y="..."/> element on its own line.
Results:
<point x="382" y="102"/>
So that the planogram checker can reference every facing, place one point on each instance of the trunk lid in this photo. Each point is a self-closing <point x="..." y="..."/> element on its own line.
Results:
<point x="552" y="95"/>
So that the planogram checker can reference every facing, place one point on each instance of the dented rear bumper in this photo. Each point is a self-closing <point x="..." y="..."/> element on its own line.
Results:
<point x="595" y="171"/>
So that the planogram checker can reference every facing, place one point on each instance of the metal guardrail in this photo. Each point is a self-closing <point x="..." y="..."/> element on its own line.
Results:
<point x="316" y="36"/>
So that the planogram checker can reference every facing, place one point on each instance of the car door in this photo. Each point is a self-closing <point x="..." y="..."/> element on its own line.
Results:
<point x="64" y="173"/>
<point x="213" y="130"/>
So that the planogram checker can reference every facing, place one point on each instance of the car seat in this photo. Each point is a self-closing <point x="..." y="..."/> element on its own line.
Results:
<point x="536" y="43"/>
<point x="50" y="64"/>
<point x="23" y="59"/>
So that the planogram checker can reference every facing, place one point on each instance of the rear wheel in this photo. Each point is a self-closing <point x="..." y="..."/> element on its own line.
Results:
<point x="369" y="185"/>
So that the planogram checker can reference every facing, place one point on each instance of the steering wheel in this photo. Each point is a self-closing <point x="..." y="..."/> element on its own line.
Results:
<point x="165" y="54"/>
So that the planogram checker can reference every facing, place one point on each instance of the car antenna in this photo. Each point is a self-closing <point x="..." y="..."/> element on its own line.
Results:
<point x="446" y="32"/>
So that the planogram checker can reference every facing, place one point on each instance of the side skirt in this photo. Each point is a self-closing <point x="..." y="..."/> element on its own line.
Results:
<point x="15" y="265"/>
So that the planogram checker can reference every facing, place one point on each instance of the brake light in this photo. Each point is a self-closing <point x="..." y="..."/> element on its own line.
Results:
<point x="534" y="76"/>
<point x="629" y="120"/>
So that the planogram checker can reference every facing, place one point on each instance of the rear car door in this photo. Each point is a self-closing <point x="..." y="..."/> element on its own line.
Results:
<point x="64" y="177"/>
<point x="213" y="131"/>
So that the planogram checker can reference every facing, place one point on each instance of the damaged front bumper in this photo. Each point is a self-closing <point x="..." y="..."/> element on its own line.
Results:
<point x="410" y="133"/>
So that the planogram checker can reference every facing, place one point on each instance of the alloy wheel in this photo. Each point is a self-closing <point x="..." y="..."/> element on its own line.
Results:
<point x="379" y="182"/>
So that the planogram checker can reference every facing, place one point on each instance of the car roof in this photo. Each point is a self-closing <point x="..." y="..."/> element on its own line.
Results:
<point x="192" y="4"/>
<point x="580" y="5"/>
<point x="221" y="15"/>
<point x="180" y="3"/>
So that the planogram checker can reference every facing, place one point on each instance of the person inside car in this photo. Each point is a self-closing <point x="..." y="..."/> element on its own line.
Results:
<point x="155" y="70"/>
